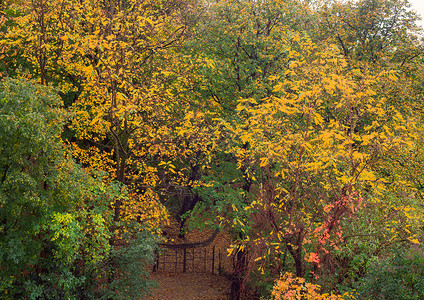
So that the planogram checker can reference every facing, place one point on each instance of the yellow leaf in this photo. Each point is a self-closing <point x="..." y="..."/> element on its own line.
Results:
<point x="264" y="162"/>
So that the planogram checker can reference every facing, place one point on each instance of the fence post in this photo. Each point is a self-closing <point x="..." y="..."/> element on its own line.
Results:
<point x="165" y="251"/>
<point x="156" y="263"/>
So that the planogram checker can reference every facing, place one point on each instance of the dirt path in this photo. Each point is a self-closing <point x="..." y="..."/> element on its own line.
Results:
<point x="190" y="286"/>
<point x="193" y="285"/>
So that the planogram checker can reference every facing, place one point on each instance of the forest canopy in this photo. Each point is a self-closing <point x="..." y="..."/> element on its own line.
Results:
<point x="294" y="126"/>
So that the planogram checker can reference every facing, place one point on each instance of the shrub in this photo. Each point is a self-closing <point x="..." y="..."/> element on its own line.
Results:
<point x="129" y="266"/>
<point x="400" y="276"/>
<point x="289" y="287"/>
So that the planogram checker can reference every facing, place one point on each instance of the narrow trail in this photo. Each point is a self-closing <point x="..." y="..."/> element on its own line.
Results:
<point x="193" y="285"/>
<point x="190" y="286"/>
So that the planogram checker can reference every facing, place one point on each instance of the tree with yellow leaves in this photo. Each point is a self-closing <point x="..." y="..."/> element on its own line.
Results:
<point x="115" y="59"/>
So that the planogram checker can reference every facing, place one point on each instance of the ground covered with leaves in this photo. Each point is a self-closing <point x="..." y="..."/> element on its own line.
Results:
<point x="194" y="285"/>
<point x="190" y="286"/>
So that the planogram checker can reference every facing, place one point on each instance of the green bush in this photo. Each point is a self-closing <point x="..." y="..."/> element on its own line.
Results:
<point x="55" y="218"/>
<point x="398" y="277"/>
<point x="129" y="267"/>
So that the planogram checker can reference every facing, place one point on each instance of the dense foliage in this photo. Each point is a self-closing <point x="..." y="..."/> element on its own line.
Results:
<point x="296" y="126"/>
<point x="55" y="217"/>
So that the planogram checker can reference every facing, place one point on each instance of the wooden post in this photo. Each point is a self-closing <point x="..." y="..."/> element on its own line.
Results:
<point x="184" y="260"/>
<point x="194" y="257"/>
<point x="156" y="263"/>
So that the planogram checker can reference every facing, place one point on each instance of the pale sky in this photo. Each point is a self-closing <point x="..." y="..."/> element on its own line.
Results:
<point x="418" y="6"/>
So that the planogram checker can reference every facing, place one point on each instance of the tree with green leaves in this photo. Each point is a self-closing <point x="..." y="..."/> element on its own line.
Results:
<point x="55" y="218"/>
<point x="375" y="31"/>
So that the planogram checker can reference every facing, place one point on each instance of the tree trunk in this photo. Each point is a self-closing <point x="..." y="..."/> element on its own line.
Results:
<point x="187" y="206"/>
<point x="189" y="202"/>
<point x="237" y="279"/>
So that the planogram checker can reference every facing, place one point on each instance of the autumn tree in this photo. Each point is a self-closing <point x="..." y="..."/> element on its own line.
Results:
<point x="125" y="88"/>
<point x="247" y="48"/>
<point x="315" y="163"/>
<point x="238" y="45"/>
<point x="114" y="60"/>
<point x="383" y="31"/>
<point x="383" y="35"/>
